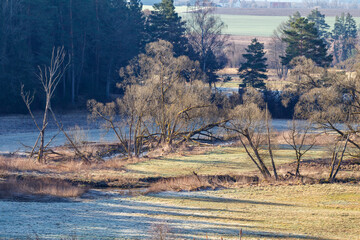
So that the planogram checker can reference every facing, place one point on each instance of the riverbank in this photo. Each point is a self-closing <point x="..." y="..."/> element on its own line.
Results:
<point x="202" y="192"/>
<point x="187" y="168"/>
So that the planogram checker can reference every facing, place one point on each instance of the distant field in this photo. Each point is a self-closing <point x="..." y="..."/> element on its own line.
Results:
<point x="284" y="11"/>
<point x="179" y="9"/>
<point x="262" y="26"/>
<point x="251" y="25"/>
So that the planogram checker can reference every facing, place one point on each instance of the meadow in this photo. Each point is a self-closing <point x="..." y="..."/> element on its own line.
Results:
<point x="250" y="25"/>
<point x="257" y="26"/>
<point x="232" y="197"/>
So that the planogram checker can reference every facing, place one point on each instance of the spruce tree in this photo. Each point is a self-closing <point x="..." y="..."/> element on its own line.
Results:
<point x="303" y="40"/>
<point x="165" y="23"/>
<point x="252" y="72"/>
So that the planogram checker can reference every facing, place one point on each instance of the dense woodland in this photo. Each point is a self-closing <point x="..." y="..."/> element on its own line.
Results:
<point x="102" y="37"/>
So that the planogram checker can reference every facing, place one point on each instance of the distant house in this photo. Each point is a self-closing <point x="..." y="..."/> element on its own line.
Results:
<point x="280" y="4"/>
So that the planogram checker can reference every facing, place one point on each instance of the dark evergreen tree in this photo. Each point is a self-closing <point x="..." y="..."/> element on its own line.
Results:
<point x="344" y="37"/>
<point x="165" y="23"/>
<point x="253" y="71"/>
<point x="303" y="40"/>
<point x="320" y="24"/>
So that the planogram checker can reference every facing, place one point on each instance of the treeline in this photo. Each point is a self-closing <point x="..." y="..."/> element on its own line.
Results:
<point x="311" y="37"/>
<point x="100" y="38"/>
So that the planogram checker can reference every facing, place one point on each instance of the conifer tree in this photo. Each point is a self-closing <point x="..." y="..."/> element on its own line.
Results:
<point x="320" y="24"/>
<point x="165" y="23"/>
<point x="344" y="37"/>
<point x="253" y="71"/>
<point x="303" y="40"/>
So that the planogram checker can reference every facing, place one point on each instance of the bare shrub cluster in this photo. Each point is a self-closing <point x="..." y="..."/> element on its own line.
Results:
<point x="165" y="102"/>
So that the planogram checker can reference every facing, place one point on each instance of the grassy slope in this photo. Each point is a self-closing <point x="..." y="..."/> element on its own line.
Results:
<point x="221" y="160"/>
<point x="317" y="211"/>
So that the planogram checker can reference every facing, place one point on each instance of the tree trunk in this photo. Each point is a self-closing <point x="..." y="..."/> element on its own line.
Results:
<point x="72" y="54"/>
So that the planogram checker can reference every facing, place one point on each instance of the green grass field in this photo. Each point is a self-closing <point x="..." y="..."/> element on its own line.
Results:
<point x="258" y="26"/>
<point x="248" y="25"/>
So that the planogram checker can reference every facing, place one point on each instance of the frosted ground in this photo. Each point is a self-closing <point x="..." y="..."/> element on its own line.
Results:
<point x="113" y="216"/>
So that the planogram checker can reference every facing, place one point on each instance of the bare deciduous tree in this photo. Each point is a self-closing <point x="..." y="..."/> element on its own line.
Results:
<point x="49" y="77"/>
<point x="328" y="98"/>
<point x="252" y="125"/>
<point x="339" y="148"/>
<point x="277" y="49"/>
<point x="164" y="100"/>
<point x="300" y="139"/>
<point x="206" y="37"/>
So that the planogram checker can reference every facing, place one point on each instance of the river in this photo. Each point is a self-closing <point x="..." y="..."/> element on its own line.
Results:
<point x="18" y="131"/>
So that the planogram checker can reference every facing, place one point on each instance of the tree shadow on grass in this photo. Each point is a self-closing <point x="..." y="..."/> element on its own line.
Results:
<point x="199" y="198"/>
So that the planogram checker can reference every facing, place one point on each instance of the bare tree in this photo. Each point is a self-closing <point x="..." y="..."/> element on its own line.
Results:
<point x="164" y="101"/>
<point x="300" y="139"/>
<point x="49" y="77"/>
<point x="126" y="117"/>
<point x="327" y="98"/>
<point x="206" y="37"/>
<point x="339" y="148"/>
<point x="251" y="123"/>
<point x="277" y="49"/>
<point x="270" y="148"/>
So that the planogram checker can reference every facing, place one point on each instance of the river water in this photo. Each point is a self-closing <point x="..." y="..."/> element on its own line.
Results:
<point x="18" y="131"/>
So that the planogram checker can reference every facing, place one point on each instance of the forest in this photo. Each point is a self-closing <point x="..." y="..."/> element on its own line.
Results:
<point x="100" y="37"/>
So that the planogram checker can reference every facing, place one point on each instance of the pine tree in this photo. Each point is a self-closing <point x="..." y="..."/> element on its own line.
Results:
<point x="303" y="40"/>
<point x="165" y="23"/>
<point x="252" y="72"/>
<point x="320" y="24"/>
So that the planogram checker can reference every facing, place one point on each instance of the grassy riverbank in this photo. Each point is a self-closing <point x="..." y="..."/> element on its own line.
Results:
<point x="236" y="197"/>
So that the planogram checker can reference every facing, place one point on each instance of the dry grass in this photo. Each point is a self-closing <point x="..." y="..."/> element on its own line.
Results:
<point x="318" y="170"/>
<point x="15" y="187"/>
<point x="99" y="174"/>
<point x="320" y="211"/>
<point x="195" y="182"/>
<point x="160" y="163"/>
<point x="19" y="164"/>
